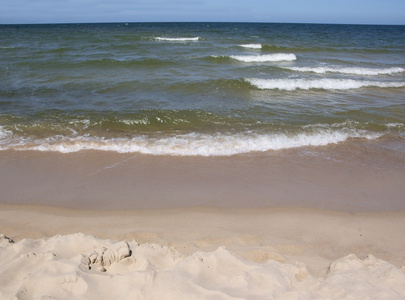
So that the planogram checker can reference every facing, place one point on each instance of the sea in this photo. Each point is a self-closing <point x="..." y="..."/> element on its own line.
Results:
<point x="201" y="89"/>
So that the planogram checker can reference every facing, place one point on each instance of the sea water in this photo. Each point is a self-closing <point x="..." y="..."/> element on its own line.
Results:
<point x="208" y="89"/>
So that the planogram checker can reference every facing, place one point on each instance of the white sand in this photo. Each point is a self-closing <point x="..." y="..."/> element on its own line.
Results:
<point x="201" y="254"/>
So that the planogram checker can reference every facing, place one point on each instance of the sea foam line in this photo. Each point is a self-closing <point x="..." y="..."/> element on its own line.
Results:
<point x="179" y="39"/>
<point x="265" y="58"/>
<point x="347" y="70"/>
<point x="324" y="84"/>
<point x="194" y="144"/>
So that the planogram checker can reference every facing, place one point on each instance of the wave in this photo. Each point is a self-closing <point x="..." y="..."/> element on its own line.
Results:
<point x="300" y="49"/>
<point x="328" y="49"/>
<point x="348" y="70"/>
<point x="191" y="144"/>
<point x="323" y="84"/>
<point x="114" y="124"/>
<point x="96" y="63"/>
<point x="178" y="39"/>
<point x="265" y="58"/>
<point x="251" y="46"/>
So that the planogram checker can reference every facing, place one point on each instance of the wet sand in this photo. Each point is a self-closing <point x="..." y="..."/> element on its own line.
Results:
<point x="327" y="179"/>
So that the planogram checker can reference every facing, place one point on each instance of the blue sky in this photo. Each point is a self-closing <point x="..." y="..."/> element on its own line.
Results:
<point x="300" y="11"/>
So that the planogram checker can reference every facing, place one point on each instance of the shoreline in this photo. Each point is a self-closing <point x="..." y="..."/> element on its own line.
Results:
<point x="348" y="177"/>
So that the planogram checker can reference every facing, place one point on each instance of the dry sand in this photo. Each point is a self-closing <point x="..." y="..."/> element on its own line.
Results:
<point x="201" y="253"/>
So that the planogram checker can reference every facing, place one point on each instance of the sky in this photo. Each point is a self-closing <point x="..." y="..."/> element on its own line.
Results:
<point x="288" y="11"/>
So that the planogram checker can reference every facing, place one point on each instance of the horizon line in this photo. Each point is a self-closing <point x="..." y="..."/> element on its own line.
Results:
<point x="230" y="22"/>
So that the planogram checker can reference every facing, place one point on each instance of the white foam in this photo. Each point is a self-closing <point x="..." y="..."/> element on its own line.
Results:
<point x="347" y="70"/>
<point x="265" y="58"/>
<point x="395" y="125"/>
<point x="251" y="46"/>
<point x="178" y="39"/>
<point x="324" y="84"/>
<point x="195" y="144"/>
<point x="4" y="133"/>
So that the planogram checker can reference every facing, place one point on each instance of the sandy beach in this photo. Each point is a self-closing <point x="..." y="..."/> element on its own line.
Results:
<point x="201" y="253"/>
<point x="93" y="225"/>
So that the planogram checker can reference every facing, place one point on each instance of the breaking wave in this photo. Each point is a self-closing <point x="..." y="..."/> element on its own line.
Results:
<point x="251" y="46"/>
<point x="265" y="58"/>
<point x="178" y="39"/>
<point x="191" y="144"/>
<point x="324" y="84"/>
<point x="348" y="70"/>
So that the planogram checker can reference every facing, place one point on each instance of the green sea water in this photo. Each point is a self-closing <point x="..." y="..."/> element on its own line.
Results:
<point x="200" y="88"/>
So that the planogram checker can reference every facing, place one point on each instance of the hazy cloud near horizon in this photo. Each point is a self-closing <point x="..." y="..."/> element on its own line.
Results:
<point x="316" y="11"/>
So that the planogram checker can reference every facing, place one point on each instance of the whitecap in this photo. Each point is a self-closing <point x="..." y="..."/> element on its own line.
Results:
<point x="251" y="46"/>
<point x="324" y="84"/>
<point x="178" y="39"/>
<point x="265" y="58"/>
<point x="349" y="70"/>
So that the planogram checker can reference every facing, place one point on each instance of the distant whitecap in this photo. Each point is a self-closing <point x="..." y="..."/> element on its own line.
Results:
<point x="178" y="39"/>
<point x="251" y="46"/>
<point x="265" y="58"/>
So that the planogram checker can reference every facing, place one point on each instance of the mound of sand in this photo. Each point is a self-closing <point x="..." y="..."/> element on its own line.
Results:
<point x="83" y="267"/>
